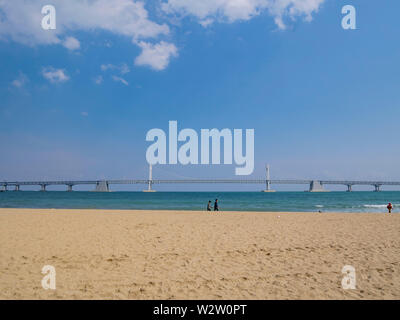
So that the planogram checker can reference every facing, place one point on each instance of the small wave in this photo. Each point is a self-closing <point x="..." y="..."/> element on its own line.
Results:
<point x="375" y="205"/>
<point x="319" y="205"/>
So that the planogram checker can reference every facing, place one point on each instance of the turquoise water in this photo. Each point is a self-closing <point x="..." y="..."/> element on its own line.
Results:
<point x="237" y="201"/>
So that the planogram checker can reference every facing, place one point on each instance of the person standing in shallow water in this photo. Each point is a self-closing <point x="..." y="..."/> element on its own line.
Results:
<point x="389" y="207"/>
<point x="216" y="205"/>
<point x="209" y="205"/>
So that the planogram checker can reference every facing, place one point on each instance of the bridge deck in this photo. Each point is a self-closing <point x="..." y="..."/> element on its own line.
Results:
<point x="194" y="181"/>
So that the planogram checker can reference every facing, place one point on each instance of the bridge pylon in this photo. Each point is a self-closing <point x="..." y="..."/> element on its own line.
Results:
<point x="102" y="186"/>
<point x="377" y="187"/>
<point x="316" y="186"/>
<point x="150" y="181"/>
<point x="267" y="181"/>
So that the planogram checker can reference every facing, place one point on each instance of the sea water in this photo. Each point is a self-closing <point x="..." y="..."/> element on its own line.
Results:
<point x="228" y="201"/>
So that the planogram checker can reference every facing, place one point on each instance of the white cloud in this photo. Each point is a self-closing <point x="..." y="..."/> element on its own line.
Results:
<point x="71" y="43"/>
<point x="229" y="9"/>
<point x="20" y="81"/>
<point x="232" y="10"/>
<point x="21" y="20"/>
<point x="156" y="56"/>
<point x="54" y="75"/>
<point x="119" y="79"/>
<point x="105" y="67"/>
<point x="123" y="68"/>
<point x="98" y="80"/>
<point x="206" y="22"/>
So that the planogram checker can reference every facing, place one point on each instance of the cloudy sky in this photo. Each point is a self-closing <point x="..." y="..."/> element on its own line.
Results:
<point x="76" y="102"/>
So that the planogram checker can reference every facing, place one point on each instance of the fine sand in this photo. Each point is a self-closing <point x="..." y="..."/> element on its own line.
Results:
<point x="102" y="254"/>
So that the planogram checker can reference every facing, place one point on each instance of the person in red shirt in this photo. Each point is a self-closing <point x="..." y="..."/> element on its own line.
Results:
<point x="390" y="207"/>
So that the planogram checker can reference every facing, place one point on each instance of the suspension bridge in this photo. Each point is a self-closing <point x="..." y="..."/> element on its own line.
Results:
<point x="104" y="185"/>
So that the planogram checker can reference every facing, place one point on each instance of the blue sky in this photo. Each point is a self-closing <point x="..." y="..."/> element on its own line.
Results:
<point x="324" y="102"/>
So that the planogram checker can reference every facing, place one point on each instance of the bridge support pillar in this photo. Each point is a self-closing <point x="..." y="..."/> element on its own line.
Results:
<point x="16" y="187"/>
<point x="149" y="187"/>
<point x="268" y="187"/>
<point x="316" y="186"/>
<point x="69" y="187"/>
<point x="3" y="188"/>
<point x="377" y="187"/>
<point x="150" y="181"/>
<point x="268" y="181"/>
<point x="42" y="187"/>
<point x="102" y="186"/>
<point x="349" y="188"/>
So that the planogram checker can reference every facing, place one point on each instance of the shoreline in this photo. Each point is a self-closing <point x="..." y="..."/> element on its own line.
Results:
<point x="90" y="210"/>
<point x="151" y="254"/>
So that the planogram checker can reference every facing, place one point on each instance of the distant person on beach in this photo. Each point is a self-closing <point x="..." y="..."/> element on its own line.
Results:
<point x="209" y="205"/>
<point x="390" y="207"/>
<point x="216" y="205"/>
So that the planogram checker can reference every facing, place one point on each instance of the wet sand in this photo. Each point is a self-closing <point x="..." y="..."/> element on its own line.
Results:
<point x="117" y="254"/>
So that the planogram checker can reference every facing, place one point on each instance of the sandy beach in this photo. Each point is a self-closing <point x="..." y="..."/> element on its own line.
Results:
<point x="111" y="254"/>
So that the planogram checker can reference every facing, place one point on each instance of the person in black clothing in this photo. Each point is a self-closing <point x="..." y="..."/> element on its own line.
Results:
<point x="216" y="205"/>
<point x="209" y="205"/>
